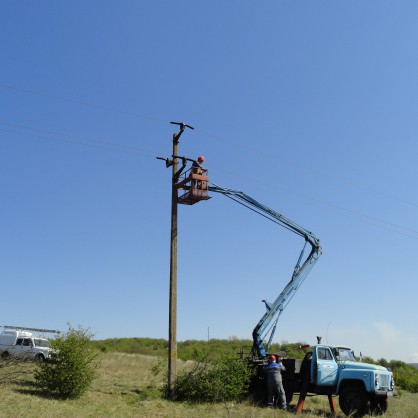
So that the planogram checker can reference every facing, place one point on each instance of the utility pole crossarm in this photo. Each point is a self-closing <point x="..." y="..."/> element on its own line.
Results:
<point x="183" y="126"/>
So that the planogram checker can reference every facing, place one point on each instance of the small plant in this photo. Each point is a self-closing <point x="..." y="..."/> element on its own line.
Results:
<point x="71" y="368"/>
<point x="150" y="392"/>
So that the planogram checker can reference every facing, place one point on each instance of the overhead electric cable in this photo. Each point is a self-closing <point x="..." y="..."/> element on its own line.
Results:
<point x="302" y="166"/>
<point x="216" y="137"/>
<point x="82" y="138"/>
<point x="260" y="213"/>
<point x="274" y="186"/>
<point x="341" y="179"/>
<point x="92" y="143"/>
<point x="137" y="151"/>
<point x="41" y="133"/>
<point x="81" y="102"/>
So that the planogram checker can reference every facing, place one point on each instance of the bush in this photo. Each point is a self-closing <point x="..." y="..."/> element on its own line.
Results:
<point x="406" y="377"/>
<point x="222" y="380"/>
<point x="71" y="368"/>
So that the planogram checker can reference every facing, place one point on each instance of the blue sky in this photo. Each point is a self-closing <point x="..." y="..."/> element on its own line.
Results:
<point x="308" y="106"/>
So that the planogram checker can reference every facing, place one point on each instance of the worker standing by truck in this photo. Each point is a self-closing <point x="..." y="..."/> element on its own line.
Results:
<point x="275" y="391"/>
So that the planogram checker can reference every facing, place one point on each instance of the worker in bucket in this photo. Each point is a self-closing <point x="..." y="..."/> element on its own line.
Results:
<point x="276" y="396"/>
<point x="197" y="169"/>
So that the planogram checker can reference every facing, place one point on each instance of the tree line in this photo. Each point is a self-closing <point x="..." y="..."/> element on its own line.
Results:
<point x="406" y="376"/>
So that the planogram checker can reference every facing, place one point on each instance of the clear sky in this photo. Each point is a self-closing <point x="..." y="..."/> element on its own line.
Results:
<point x="308" y="106"/>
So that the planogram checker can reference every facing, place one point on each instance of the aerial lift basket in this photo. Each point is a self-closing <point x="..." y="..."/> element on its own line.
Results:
<point x="194" y="185"/>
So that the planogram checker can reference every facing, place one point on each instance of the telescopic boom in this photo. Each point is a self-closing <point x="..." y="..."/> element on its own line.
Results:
<point x="266" y="327"/>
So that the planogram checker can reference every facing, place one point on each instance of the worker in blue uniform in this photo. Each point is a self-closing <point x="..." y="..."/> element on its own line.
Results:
<point x="276" y="396"/>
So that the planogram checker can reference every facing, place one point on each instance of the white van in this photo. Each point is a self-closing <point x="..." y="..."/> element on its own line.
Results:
<point x="20" y="343"/>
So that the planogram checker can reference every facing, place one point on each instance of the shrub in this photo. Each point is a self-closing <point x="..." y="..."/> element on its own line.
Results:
<point x="221" y="380"/>
<point x="71" y="368"/>
<point x="406" y="377"/>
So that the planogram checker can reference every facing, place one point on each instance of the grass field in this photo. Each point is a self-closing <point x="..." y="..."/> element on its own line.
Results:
<point x="121" y="391"/>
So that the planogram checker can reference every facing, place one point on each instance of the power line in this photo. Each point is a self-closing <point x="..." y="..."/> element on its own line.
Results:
<point x="214" y="136"/>
<point x="81" y="140"/>
<point x="74" y="139"/>
<point x="272" y="156"/>
<point x="81" y="102"/>
<point x="133" y="150"/>
<point x="350" y="213"/>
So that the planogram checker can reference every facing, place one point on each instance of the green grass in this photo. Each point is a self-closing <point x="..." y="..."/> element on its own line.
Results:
<point x="125" y="387"/>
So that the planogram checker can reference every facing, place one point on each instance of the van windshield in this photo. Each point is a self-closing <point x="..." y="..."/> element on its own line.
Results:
<point x="42" y="343"/>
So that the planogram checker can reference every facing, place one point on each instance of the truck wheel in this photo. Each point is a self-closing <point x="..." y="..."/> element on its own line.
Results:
<point x="5" y="355"/>
<point x="39" y="358"/>
<point x="288" y="390"/>
<point x="289" y="397"/>
<point x="378" y="407"/>
<point x="353" y="402"/>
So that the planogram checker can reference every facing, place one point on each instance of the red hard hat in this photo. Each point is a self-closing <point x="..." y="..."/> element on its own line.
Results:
<point x="201" y="158"/>
<point x="272" y="358"/>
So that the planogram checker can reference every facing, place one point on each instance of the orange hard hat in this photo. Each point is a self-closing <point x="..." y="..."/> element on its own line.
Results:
<point x="201" y="158"/>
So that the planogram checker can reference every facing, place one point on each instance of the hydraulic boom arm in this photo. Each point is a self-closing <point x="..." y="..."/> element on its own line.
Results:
<point x="267" y="324"/>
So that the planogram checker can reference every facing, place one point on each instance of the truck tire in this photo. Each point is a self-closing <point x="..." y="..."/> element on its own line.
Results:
<point x="353" y="402"/>
<point x="289" y="397"/>
<point x="378" y="406"/>
<point x="5" y="355"/>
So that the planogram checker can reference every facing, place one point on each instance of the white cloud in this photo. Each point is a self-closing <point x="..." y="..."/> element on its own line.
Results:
<point x="387" y="332"/>
<point x="375" y="339"/>
<point x="396" y="344"/>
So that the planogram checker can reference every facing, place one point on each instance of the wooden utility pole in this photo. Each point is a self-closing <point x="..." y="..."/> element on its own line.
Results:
<point x="172" y="333"/>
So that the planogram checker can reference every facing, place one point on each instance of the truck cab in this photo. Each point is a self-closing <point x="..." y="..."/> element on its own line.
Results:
<point x="360" y="386"/>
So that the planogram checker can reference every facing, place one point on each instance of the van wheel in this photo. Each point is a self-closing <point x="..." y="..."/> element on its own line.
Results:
<point x="5" y="355"/>
<point x="353" y="402"/>
<point x="39" y="358"/>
